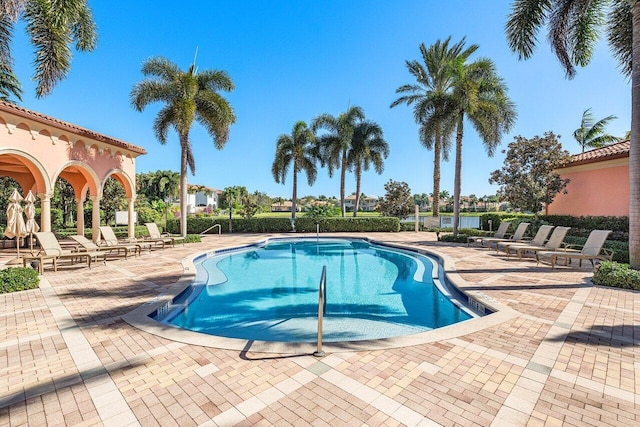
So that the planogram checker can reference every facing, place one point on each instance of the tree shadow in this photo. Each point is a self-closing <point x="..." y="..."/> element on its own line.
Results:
<point x="619" y="336"/>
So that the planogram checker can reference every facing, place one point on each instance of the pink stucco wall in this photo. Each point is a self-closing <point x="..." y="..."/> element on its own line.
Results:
<point x="602" y="191"/>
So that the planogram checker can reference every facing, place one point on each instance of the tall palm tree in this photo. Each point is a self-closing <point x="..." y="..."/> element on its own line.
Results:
<point x="188" y="96"/>
<point x="299" y="150"/>
<point x="480" y="97"/>
<point x="429" y="97"/>
<point x="335" y="144"/>
<point x="574" y="29"/>
<point x="52" y="28"/>
<point x="593" y="135"/>
<point x="368" y="148"/>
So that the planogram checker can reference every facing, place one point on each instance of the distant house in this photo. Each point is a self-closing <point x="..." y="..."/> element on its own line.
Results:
<point x="599" y="183"/>
<point x="285" y="206"/>
<point x="367" y="203"/>
<point x="202" y="199"/>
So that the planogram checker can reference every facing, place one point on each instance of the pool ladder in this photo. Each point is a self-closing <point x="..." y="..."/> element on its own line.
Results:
<point x="322" y="308"/>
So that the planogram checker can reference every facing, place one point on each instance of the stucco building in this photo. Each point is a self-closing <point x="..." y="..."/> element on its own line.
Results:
<point x="599" y="183"/>
<point x="36" y="150"/>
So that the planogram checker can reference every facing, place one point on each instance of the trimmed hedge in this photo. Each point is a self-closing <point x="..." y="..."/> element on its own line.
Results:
<point x="13" y="279"/>
<point x="283" y="225"/>
<point x="616" y="275"/>
<point x="581" y="226"/>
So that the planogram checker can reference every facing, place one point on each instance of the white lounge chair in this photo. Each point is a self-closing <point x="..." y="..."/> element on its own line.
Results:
<point x="517" y="236"/>
<point x="592" y="250"/>
<point x="50" y="250"/>
<point x="154" y="234"/>
<point x="500" y="233"/>
<point x="538" y="240"/>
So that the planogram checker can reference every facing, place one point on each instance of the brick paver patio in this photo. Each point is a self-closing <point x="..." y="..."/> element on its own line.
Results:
<point x="566" y="355"/>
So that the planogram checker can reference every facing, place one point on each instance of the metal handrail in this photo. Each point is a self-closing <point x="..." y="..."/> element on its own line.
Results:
<point x="213" y="226"/>
<point x="322" y="308"/>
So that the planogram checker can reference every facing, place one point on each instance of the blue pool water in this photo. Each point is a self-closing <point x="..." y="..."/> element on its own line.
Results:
<point x="270" y="293"/>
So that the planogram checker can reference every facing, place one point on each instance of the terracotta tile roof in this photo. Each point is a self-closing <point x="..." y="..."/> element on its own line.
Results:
<point x="610" y="152"/>
<point x="50" y="121"/>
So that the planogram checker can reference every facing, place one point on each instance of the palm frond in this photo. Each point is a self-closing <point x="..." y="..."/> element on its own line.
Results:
<point x="215" y="114"/>
<point x="160" y="67"/>
<point x="587" y="18"/>
<point x="149" y="91"/>
<point x="620" y="34"/>
<point x="523" y="24"/>
<point x="9" y="83"/>
<point x="163" y="121"/>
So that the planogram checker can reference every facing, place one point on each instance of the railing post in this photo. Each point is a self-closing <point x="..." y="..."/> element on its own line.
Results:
<point x="321" y="309"/>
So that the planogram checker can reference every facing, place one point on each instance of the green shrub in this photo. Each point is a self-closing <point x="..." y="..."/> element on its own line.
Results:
<point x="13" y="279"/>
<point x="283" y="225"/>
<point x="616" y="275"/>
<point x="148" y="214"/>
<point x="192" y="238"/>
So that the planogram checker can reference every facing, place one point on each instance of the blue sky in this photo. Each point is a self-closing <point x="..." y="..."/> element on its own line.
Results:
<point x="293" y="60"/>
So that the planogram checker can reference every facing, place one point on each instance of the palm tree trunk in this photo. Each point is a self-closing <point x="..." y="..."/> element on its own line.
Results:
<point x="457" y="180"/>
<point x="358" y="179"/>
<point x="183" y="185"/>
<point x="634" y="146"/>
<point x="437" y="148"/>
<point x="294" y="196"/>
<point x="343" y="174"/>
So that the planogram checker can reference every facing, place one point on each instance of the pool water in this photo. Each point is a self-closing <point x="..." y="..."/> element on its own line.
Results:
<point x="270" y="293"/>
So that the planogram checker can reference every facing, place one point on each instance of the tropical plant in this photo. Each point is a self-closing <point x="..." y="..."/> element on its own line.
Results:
<point x="397" y="200"/>
<point x="368" y="148"/>
<point x="593" y="135"/>
<point x="334" y="145"/>
<point x="574" y="29"/>
<point x="480" y="96"/>
<point x="430" y="99"/>
<point x="527" y="180"/>
<point x="298" y="150"/>
<point x="188" y="95"/>
<point x="52" y="27"/>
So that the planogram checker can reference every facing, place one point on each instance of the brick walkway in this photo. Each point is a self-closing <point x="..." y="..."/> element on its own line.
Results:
<point x="567" y="354"/>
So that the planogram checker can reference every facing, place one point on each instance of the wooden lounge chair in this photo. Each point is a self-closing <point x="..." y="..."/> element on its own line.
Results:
<point x="592" y="250"/>
<point x="109" y="239"/>
<point x="555" y="242"/>
<point x="88" y="245"/>
<point x="517" y="236"/>
<point x="154" y="234"/>
<point x="538" y="240"/>
<point x="50" y="250"/>
<point x="500" y="233"/>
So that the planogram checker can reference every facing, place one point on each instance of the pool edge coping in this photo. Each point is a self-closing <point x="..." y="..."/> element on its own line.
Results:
<point x="140" y="316"/>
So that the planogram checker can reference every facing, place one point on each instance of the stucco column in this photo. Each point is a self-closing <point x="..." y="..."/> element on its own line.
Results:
<point x="45" y="211"/>
<point x="131" y="225"/>
<point x="80" y="215"/>
<point x="95" y="218"/>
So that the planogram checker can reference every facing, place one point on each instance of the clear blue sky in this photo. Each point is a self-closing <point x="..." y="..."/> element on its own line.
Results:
<point x="293" y="60"/>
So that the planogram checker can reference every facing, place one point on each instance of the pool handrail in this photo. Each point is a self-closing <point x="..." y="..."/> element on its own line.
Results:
<point x="322" y="308"/>
<point x="212" y="227"/>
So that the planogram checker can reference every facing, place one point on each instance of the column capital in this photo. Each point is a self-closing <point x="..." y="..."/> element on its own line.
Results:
<point x="95" y="198"/>
<point x="45" y="196"/>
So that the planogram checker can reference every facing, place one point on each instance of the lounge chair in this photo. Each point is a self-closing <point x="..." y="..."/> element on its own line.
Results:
<point x="538" y="240"/>
<point x="154" y="234"/>
<point x="500" y="233"/>
<point x="109" y="239"/>
<point x="591" y="250"/>
<point x="555" y="242"/>
<point x="50" y="250"/>
<point x="517" y="236"/>
<point x="88" y="245"/>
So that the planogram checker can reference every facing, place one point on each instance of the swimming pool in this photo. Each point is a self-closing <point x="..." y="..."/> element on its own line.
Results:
<point x="269" y="292"/>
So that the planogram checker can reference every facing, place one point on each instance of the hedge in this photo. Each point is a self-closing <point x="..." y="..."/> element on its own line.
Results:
<point x="13" y="279"/>
<point x="283" y="225"/>
<point x="581" y="226"/>
<point x="616" y="275"/>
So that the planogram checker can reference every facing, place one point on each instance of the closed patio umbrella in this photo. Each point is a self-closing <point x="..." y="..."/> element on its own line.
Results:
<point x="15" y="222"/>
<point x="31" y="226"/>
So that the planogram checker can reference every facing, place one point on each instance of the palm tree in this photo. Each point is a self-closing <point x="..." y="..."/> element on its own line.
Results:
<point x="167" y="184"/>
<point x="429" y="96"/>
<point x="593" y="135"/>
<point x="188" y="96"/>
<point x="574" y="27"/>
<point x="299" y="150"/>
<point x="52" y="28"/>
<point x="368" y="148"/>
<point x="334" y="146"/>
<point x="479" y="96"/>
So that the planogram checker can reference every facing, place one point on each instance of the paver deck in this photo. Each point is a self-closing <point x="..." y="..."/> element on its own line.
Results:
<point x="568" y="355"/>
